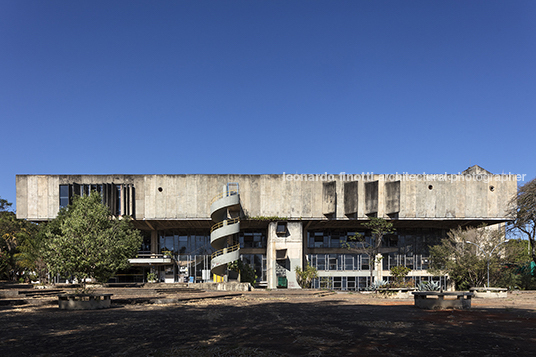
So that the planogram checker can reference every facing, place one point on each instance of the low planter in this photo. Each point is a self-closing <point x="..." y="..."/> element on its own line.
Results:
<point x="489" y="293"/>
<point x="437" y="300"/>
<point x="84" y="301"/>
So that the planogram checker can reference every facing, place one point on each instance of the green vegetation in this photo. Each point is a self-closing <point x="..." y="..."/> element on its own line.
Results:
<point x="466" y="263"/>
<point x="524" y="213"/>
<point x="429" y="286"/>
<point x="20" y="247"/>
<point x="85" y="241"/>
<point x="151" y="277"/>
<point x="399" y="274"/>
<point x="305" y="277"/>
<point x="518" y="270"/>
<point x="379" y="228"/>
<point x="245" y="272"/>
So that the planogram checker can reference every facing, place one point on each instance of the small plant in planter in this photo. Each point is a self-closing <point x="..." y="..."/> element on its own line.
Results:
<point x="152" y="278"/>
<point x="376" y="285"/>
<point x="167" y="253"/>
<point x="429" y="286"/>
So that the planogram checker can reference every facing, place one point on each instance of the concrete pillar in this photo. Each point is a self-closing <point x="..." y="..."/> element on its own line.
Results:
<point x="154" y="242"/>
<point x="294" y="245"/>
<point x="271" y="277"/>
<point x="290" y="242"/>
<point x="378" y="267"/>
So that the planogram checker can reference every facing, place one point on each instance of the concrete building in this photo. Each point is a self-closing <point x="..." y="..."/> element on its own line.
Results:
<point x="195" y="224"/>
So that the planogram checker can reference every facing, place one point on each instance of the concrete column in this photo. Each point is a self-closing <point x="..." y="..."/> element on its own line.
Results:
<point x="292" y="243"/>
<point x="378" y="267"/>
<point x="271" y="277"/>
<point x="154" y="242"/>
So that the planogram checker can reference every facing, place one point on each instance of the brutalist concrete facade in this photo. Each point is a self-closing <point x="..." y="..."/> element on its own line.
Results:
<point x="285" y="220"/>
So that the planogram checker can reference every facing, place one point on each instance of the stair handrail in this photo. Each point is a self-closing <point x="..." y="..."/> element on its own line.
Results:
<point x="226" y="222"/>
<point x="230" y="249"/>
<point x="224" y="194"/>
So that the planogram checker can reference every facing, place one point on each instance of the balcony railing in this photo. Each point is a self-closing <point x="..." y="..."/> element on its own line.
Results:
<point x="227" y="222"/>
<point x="225" y="250"/>
<point x="153" y="255"/>
<point x="224" y="194"/>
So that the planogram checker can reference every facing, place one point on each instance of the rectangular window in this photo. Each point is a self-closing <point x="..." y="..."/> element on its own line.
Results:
<point x="281" y="228"/>
<point x="340" y="261"/>
<point x="333" y="262"/>
<point x="312" y="261"/>
<point x="425" y="263"/>
<point x="409" y="261"/>
<point x="319" y="242"/>
<point x="363" y="282"/>
<point x="349" y="262"/>
<point x="351" y="283"/>
<point x="321" y="262"/>
<point x="335" y="241"/>
<point x="326" y="282"/>
<point x="252" y="239"/>
<point x="118" y="200"/>
<point x="183" y="245"/>
<point x="337" y="283"/>
<point x="364" y="262"/>
<point x="64" y="196"/>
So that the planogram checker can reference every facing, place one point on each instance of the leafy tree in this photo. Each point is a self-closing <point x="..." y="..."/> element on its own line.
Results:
<point x="305" y="277"/>
<point x="14" y="234"/>
<point x="360" y="245"/>
<point x="464" y="262"/>
<point x="30" y="256"/>
<point x="399" y="274"/>
<point x="246" y="273"/>
<point x="524" y="212"/>
<point x="85" y="241"/>
<point x="519" y="270"/>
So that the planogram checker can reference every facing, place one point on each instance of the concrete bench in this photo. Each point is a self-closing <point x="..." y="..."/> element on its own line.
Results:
<point x="489" y="293"/>
<point x="435" y="300"/>
<point x="84" y="301"/>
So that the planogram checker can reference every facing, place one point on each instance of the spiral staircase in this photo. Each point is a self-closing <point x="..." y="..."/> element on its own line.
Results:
<point x="225" y="211"/>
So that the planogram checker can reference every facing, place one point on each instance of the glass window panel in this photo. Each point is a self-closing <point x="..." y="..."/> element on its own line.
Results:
<point x="351" y="283"/>
<point x="64" y="195"/>
<point x="333" y="262"/>
<point x="349" y="262"/>
<point x="182" y="247"/>
<point x="337" y="283"/>
<point x="364" y="262"/>
<point x="340" y="261"/>
<point x="321" y="262"/>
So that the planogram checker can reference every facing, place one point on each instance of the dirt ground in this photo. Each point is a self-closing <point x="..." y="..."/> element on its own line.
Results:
<point x="270" y="323"/>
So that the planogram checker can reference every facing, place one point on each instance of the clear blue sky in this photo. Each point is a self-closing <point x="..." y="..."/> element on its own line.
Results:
<point x="266" y="87"/>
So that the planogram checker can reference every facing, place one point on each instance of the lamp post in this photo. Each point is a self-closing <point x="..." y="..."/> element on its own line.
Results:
<point x="489" y="254"/>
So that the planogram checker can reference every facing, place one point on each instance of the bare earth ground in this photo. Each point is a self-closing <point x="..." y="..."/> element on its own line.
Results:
<point x="276" y="323"/>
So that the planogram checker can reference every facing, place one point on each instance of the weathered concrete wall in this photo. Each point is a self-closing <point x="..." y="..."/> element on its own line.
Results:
<point x="184" y="197"/>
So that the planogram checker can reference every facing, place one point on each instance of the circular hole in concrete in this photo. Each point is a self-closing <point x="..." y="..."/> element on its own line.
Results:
<point x="492" y="188"/>
<point x="430" y="187"/>
<point x="160" y="189"/>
